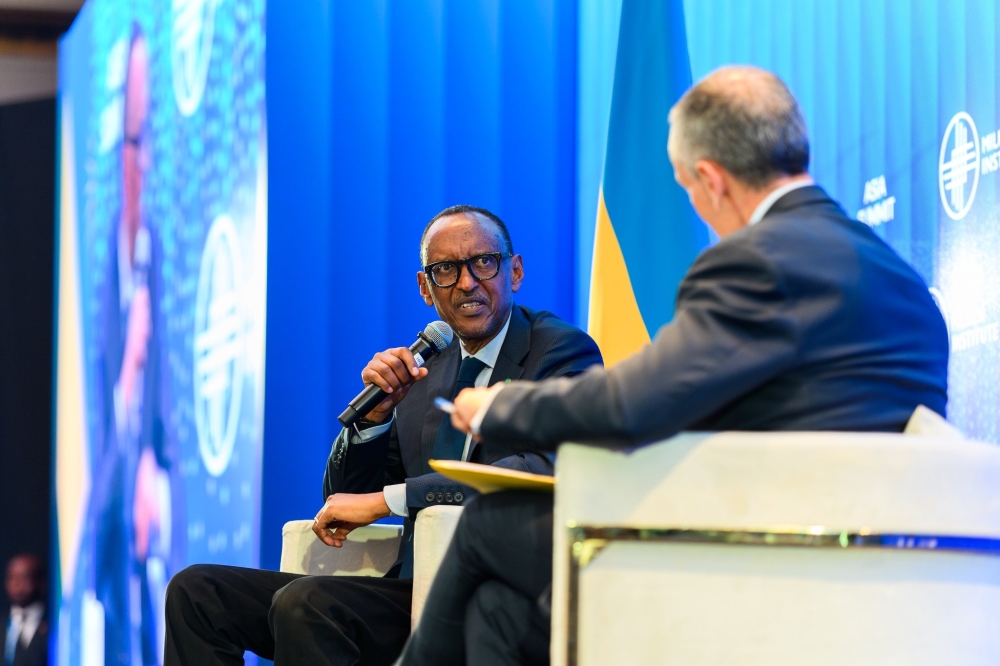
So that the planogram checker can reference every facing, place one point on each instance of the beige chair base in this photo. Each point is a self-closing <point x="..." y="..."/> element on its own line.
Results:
<point x="628" y="588"/>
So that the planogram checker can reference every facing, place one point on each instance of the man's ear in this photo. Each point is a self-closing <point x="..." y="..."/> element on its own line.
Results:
<point x="516" y="272"/>
<point x="425" y="290"/>
<point x="711" y="177"/>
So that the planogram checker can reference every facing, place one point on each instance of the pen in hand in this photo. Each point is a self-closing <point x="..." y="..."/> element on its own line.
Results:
<point x="444" y="405"/>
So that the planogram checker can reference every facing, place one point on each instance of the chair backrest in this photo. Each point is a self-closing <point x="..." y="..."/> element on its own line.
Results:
<point x="674" y="553"/>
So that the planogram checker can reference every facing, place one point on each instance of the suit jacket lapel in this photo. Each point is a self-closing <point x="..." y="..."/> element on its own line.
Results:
<point x="515" y="347"/>
<point x="444" y="374"/>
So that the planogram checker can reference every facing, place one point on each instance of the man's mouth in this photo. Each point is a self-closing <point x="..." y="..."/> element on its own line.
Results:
<point x="470" y="307"/>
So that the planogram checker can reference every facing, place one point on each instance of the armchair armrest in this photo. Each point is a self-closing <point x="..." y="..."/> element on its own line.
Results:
<point x="368" y="551"/>
<point x="432" y="535"/>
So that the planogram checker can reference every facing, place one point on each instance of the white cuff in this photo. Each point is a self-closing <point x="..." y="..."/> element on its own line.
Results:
<point x="368" y="434"/>
<point x="395" y="499"/>
<point x="477" y="420"/>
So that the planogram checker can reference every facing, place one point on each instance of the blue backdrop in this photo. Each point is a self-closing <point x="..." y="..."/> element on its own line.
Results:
<point x="382" y="114"/>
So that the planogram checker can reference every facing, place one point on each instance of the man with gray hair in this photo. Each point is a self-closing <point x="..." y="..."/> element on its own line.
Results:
<point x="799" y="318"/>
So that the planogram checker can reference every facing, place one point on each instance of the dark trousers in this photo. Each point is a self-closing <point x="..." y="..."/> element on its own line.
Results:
<point x="214" y="613"/>
<point x="483" y="608"/>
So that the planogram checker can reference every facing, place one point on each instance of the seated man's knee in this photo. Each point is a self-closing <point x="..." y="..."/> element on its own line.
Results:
<point x="190" y="583"/>
<point x="289" y="604"/>
<point x="491" y="514"/>
<point x="288" y="599"/>
<point x="500" y="608"/>
<point x="504" y="626"/>
<point x="493" y="601"/>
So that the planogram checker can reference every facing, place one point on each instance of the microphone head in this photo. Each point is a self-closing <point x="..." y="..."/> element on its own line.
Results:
<point x="439" y="334"/>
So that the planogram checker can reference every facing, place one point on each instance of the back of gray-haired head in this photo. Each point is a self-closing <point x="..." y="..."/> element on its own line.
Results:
<point x="744" y="119"/>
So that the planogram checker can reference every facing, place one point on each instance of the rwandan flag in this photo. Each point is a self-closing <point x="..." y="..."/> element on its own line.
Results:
<point x="647" y="232"/>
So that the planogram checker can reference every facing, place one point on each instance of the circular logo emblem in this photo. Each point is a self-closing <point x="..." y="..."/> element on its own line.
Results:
<point x="958" y="166"/>
<point x="191" y="50"/>
<point x="218" y="346"/>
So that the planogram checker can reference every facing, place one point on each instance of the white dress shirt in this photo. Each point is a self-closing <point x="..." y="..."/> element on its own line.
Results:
<point x="24" y="621"/>
<point x="761" y="210"/>
<point x="395" y="495"/>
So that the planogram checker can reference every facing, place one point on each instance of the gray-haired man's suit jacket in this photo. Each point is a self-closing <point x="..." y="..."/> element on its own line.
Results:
<point x="806" y="320"/>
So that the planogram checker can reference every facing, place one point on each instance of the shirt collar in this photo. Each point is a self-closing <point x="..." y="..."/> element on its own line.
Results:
<point x="764" y="206"/>
<point x="34" y="610"/>
<point x="491" y="351"/>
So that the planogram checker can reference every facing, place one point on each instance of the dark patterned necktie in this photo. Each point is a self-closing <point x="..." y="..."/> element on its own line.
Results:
<point x="450" y="443"/>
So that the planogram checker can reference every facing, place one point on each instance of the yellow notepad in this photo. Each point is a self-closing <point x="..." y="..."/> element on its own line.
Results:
<point x="488" y="479"/>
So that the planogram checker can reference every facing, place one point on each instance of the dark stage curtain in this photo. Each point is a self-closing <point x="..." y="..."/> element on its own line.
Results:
<point x="27" y="251"/>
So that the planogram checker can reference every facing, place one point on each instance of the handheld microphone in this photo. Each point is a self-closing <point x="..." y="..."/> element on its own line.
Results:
<point x="435" y="338"/>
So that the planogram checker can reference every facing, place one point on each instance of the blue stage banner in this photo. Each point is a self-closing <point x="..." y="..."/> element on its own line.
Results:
<point x="901" y="100"/>
<point x="161" y="312"/>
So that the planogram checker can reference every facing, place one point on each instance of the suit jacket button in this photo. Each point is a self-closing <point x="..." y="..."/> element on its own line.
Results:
<point x="459" y="497"/>
<point x="429" y="497"/>
<point x="440" y="497"/>
<point x="447" y="497"/>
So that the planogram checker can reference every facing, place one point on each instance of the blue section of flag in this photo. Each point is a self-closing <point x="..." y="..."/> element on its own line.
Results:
<point x="657" y="229"/>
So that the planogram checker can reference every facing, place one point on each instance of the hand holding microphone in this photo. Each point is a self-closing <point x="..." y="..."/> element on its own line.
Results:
<point x="391" y="373"/>
<point x="394" y="371"/>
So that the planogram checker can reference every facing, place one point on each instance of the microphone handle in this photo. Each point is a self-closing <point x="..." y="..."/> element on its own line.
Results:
<point x="372" y="395"/>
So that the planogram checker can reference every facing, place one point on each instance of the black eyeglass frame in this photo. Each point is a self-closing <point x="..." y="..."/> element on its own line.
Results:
<point x="498" y="256"/>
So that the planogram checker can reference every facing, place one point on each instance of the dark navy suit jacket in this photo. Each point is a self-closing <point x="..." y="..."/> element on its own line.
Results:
<point x="538" y="345"/>
<point x="805" y="321"/>
<point x="36" y="652"/>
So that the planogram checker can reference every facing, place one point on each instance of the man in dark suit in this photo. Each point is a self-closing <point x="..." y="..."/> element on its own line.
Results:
<point x="798" y="319"/>
<point x="24" y="632"/>
<point x="380" y="467"/>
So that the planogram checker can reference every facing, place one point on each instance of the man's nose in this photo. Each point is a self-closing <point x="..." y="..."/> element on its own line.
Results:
<point x="466" y="281"/>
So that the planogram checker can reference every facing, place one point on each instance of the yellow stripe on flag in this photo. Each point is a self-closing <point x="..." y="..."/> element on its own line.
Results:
<point x="615" y="321"/>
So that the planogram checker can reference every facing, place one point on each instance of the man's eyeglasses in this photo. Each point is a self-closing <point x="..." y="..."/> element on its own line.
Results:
<point x="482" y="266"/>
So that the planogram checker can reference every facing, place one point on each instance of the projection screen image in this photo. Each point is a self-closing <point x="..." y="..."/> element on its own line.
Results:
<point x="162" y="247"/>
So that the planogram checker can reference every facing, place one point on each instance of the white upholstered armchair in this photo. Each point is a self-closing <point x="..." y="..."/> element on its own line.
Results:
<point x="371" y="550"/>
<point x="779" y="548"/>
